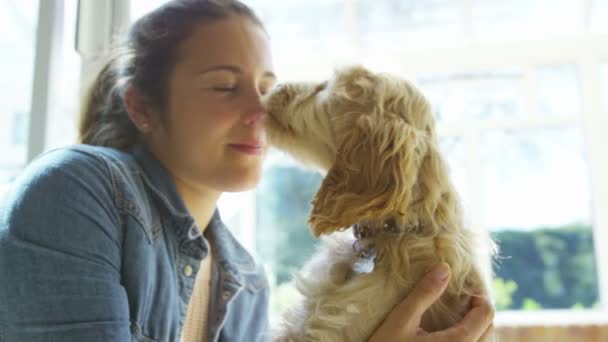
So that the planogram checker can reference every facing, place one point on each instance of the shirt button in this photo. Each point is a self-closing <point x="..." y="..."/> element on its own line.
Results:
<point x="226" y="295"/>
<point x="188" y="270"/>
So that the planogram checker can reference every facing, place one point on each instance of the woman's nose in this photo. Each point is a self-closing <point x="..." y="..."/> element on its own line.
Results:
<point x="254" y="118"/>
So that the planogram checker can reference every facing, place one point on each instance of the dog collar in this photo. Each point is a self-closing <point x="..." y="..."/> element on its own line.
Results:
<point x="364" y="231"/>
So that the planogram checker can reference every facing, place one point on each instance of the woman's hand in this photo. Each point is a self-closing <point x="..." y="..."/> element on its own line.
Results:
<point x="403" y="323"/>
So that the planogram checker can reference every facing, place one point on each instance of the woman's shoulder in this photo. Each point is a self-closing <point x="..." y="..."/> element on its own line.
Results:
<point x="72" y="157"/>
<point x="79" y="155"/>
<point x="87" y="161"/>
<point x="77" y="169"/>
<point x="58" y="191"/>
<point x="64" y="169"/>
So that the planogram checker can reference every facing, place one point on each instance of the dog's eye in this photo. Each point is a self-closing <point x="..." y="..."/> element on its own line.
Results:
<point x="266" y="87"/>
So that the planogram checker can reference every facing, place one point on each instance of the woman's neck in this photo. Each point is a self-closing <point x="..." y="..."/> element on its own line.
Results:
<point x="200" y="202"/>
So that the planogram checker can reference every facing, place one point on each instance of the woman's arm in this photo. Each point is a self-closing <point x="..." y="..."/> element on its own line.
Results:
<point x="60" y="254"/>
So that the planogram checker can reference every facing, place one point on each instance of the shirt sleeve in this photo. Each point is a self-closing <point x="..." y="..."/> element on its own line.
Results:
<point x="60" y="260"/>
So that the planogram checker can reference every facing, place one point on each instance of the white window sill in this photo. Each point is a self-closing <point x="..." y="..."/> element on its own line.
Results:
<point x="550" y="318"/>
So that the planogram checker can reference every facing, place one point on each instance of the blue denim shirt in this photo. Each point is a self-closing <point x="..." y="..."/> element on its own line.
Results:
<point x="97" y="245"/>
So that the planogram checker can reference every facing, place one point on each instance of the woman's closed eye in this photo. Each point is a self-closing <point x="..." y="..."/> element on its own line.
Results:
<point x="224" y="88"/>
<point x="233" y="88"/>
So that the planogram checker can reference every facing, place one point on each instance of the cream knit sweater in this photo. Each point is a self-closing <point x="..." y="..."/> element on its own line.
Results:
<point x="195" y="326"/>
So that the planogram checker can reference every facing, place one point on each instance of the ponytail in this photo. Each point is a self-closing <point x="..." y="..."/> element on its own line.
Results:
<point x="103" y="119"/>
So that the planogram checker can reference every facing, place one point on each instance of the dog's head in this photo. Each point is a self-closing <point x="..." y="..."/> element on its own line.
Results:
<point x="370" y="132"/>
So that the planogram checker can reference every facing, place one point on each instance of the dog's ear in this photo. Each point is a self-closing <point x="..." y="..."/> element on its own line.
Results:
<point x="354" y="84"/>
<point x="373" y="175"/>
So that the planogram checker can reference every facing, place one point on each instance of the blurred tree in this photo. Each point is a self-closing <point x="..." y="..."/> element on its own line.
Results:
<point x="283" y="204"/>
<point x="503" y="292"/>
<point x="530" y="305"/>
<point x="553" y="267"/>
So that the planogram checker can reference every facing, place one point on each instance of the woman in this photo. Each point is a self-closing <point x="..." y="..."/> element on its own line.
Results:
<point x="119" y="239"/>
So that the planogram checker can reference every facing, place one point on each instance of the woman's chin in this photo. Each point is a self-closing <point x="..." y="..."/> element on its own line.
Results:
<point x="242" y="179"/>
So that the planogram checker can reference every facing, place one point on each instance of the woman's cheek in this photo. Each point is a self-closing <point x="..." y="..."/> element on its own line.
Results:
<point x="211" y="111"/>
<point x="223" y="119"/>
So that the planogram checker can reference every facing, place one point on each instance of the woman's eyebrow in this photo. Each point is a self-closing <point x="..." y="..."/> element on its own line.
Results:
<point x="235" y="69"/>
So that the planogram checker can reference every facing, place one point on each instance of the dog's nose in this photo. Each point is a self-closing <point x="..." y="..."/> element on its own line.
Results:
<point x="279" y="98"/>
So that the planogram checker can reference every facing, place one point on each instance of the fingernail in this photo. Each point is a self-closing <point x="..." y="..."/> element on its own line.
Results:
<point x="441" y="272"/>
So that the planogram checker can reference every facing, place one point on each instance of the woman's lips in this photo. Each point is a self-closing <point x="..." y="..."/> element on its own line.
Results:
<point x="256" y="149"/>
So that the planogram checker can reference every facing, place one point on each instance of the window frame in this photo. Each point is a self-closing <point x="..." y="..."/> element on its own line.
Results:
<point x="586" y="50"/>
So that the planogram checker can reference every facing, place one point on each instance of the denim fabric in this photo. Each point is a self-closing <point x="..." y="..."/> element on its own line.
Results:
<point x="97" y="245"/>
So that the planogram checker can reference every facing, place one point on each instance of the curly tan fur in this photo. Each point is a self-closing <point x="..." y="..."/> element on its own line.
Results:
<point x="374" y="135"/>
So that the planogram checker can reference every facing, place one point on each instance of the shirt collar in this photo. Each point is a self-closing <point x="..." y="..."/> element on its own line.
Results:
<point x="160" y="180"/>
<point x="231" y="256"/>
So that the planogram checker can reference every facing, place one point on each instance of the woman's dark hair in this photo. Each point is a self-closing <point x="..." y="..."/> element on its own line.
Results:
<point x="145" y="60"/>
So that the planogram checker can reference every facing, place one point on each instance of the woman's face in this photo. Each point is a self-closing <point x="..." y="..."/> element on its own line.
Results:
<point x="211" y="134"/>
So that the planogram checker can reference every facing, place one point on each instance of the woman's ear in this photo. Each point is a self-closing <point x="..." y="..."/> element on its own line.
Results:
<point x="138" y="109"/>
<point x="373" y="175"/>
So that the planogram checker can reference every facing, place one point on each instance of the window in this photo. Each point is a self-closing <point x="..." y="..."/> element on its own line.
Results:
<point x="56" y="71"/>
<point x="319" y="25"/>
<point x="523" y="133"/>
<point x="19" y="36"/>
<point x="63" y="110"/>
<point x="525" y="19"/>
<point x="141" y="7"/>
<point x="466" y="98"/>
<point x="282" y="235"/>
<point x="537" y="205"/>
<point x="453" y="149"/>
<point x="599" y="14"/>
<point x="382" y="23"/>
<point x="604" y="90"/>
<point x="511" y="131"/>
<point x="556" y="91"/>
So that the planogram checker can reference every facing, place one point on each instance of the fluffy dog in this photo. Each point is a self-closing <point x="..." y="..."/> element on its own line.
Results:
<point x="387" y="187"/>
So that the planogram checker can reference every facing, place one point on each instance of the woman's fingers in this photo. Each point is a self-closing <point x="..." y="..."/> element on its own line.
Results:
<point x="488" y="335"/>
<point x="421" y="332"/>
<point x="476" y="324"/>
<point x="403" y="322"/>
<point x="426" y="292"/>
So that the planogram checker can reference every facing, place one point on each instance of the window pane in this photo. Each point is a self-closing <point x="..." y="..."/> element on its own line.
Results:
<point x="501" y="95"/>
<point x="599" y="16"/>
<point x="318" y="24"/>
<point x="604" y="85"/>
<point x="536" y="199"/>
<point x="64" y="110"/>
<point x="412" y="23"/>
<point x="338" y="32"/>
<point x="237" y="210"/>
<point x="453" y="150"/>
<point x="534" y="178"/>
<point x="526" y="19"/>
<point x="321" y="28"/>
<point x="19" y="22"/>
<point x="458" y="98"/>
<point x="284" y="240"/>
<point x="141" y="7"/>
<point x="557" y="91"/>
